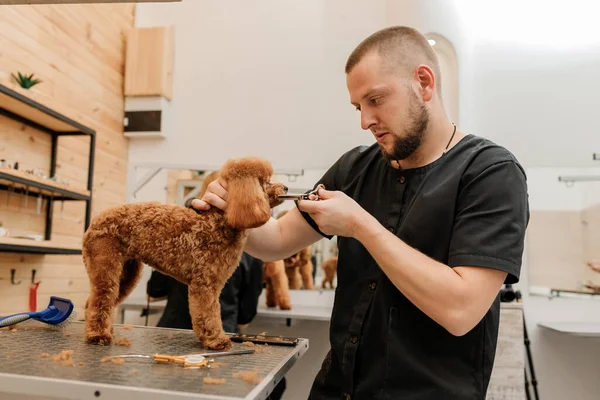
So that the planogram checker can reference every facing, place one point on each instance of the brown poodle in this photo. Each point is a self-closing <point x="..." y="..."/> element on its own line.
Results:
<point x="299" y="267"/>
<point x="277" y="285"/>
<point x="330" y="268"/>
<point x="199" y="249"/>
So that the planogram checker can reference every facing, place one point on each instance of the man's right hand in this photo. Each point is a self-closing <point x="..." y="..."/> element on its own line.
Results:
<point x="215" y="196"/>
<point x="594" y="265"/>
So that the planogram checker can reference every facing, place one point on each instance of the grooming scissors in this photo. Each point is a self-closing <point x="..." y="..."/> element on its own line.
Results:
<point x="302" y="196"/>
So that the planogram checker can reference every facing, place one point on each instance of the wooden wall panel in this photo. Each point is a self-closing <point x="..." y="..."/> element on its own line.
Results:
<point x="78" y="51"/>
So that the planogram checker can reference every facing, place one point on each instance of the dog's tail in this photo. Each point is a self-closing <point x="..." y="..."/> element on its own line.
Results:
<point x="130" y="275"/>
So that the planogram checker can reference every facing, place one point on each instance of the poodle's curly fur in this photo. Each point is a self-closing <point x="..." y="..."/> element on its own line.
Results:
<point x="330" y="269"/>
<point x="199" y="249"/>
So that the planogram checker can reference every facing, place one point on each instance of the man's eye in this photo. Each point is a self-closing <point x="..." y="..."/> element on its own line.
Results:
<point x="375" y="100"/>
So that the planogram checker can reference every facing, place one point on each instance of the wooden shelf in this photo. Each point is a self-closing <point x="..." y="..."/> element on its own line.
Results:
<point x="30" y="108"/>
<point x="23" y="182"/>
<point x="17" y="245"/>
<point x="20" y="105"/>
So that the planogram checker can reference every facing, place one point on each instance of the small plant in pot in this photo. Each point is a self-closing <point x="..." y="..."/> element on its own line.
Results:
<point x="25" y="81"/>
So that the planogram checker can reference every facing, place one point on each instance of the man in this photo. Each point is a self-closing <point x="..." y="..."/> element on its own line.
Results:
<point x="427" y="236"/>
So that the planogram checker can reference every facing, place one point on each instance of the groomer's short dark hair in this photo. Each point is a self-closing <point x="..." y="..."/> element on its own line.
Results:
<point x="403" y="49"/>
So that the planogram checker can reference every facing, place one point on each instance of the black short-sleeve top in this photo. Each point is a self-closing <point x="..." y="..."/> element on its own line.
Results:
<point x="468" y="208"/>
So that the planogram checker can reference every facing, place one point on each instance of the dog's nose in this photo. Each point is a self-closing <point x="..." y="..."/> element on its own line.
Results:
<point x="285" y="188"/>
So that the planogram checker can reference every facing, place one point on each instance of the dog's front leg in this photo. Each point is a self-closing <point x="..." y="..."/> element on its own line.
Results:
<point x="206" y="316"/>
<point x="306" y="271"/>
<point x="294" y="278"/>
<point x="282" y="291"/>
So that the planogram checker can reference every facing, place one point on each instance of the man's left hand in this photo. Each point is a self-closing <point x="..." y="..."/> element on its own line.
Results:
<point x="335" y="213"/>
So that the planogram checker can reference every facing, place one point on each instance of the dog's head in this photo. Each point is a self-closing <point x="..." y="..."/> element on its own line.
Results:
<point x="251" y="194"/>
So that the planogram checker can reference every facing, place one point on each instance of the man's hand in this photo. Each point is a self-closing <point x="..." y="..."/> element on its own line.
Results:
<point x="594" y="265"/>
<point x="335" y="214"/>
<point x="593" y="287"/>
<point x="215" y="195"/>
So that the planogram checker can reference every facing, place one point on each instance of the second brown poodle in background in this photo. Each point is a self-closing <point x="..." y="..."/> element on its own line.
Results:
<point x="277" y="285"/>
<point x="299" y="267"/>
<point x="198" y="249"/>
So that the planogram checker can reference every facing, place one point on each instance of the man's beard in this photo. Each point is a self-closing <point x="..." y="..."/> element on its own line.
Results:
<point x="406" y="144"/>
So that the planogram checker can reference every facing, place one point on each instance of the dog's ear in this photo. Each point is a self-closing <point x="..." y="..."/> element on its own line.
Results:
<point x="247" y="206"/>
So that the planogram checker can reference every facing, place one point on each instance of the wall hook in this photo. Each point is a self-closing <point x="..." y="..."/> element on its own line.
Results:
<point x="33" y="282"/>
<point x="12" y="277"/>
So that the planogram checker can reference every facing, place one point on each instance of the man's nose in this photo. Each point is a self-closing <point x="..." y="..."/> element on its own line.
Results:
<point x="366" y="120"/>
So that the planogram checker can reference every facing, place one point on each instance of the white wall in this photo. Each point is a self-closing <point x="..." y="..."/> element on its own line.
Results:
<point x="268" y="76"/>
<point x="547" y="193"/>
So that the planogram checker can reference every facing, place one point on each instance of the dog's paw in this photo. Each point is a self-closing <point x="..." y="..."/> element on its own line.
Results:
<point x="285" y="305"/>
<point x="219" y="343"/>
<point x="99" y="339"/>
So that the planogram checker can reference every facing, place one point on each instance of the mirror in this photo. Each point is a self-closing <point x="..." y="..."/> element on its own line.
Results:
<point x="324" y="252"/>
<point x="563" y="235"/>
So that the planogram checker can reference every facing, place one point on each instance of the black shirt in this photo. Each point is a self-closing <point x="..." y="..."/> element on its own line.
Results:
<point x="238" y="299"/>
<point x="469" y="207"/>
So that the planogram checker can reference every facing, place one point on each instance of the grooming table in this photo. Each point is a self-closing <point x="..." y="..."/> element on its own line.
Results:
<point x="24" y="372"/>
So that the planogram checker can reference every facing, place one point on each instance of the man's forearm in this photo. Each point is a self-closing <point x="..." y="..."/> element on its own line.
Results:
<point x="265" y="242"/>
<point x="435" y="288"/>
<point x="281" y="238"/>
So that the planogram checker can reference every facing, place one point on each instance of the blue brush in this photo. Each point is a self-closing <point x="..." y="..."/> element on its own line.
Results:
<point x="58" y="313"/>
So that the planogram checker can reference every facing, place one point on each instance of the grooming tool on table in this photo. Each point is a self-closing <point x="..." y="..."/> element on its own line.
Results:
<point x="187" y="360"/>
<point x="264" y="339"/>
<point x="58" y="313"/>
<point x="302" y="196"/>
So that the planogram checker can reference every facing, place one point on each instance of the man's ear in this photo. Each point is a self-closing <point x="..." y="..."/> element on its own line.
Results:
<point x="247" y="206"/>
<point x="427" y="81"/>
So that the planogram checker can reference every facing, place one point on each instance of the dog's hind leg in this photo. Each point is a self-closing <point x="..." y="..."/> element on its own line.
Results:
<point x="130" y="276"/>
<point x="205" y="311"/>
<point x="104" y="263"/>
